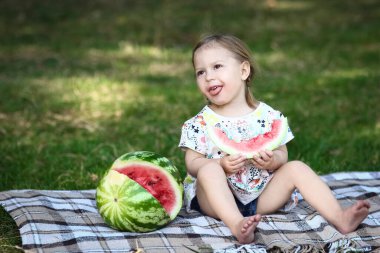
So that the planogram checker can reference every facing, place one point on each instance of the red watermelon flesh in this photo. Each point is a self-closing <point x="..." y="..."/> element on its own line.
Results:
<point x="154" y="181"/>
<point x="269" y="140"/>
<point x="252" y="144"/>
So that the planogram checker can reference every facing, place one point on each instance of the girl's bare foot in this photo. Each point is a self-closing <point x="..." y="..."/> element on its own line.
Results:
<point x="246" y="227"/>
<point x="353" y="216"/>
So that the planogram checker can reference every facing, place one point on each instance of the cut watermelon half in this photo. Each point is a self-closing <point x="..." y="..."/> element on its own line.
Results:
<point x="157" y="182"/>
<point x="141" y="192"/>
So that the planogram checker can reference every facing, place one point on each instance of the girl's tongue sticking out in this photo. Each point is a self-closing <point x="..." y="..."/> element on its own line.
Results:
<point x="215" y="90"/>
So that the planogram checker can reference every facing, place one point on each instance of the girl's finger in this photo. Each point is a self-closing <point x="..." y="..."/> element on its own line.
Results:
<point x="240" y="160"/>
<point x="269" y="153"/>
<point x="257" y="157"/>
<point x="239" y="165"/>
<point x="264" y="156"/>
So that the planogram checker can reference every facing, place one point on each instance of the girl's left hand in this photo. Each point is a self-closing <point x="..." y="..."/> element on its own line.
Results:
<point x="263" y="159"/>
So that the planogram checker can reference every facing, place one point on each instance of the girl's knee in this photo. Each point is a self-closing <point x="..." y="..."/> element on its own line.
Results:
<point x="296" y="167"/>
<point x="298" y="164"/>
<point x="295" y="172"/>
<point x="209" y="171"/>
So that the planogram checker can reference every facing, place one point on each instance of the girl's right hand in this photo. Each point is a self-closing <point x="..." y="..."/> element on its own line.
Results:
<point x="232" y="163"/>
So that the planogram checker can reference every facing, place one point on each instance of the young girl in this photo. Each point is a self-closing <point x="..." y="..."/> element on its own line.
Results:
<point x="233" y="188"/>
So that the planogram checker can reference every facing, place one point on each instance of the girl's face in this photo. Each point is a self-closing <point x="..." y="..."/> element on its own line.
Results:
<point x="220" y="76"/>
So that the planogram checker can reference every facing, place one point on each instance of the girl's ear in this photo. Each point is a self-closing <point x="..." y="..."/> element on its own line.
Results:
<point x="245" y="70"/>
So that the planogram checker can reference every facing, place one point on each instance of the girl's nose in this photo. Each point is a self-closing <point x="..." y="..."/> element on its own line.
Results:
<point x="210" y="75"/>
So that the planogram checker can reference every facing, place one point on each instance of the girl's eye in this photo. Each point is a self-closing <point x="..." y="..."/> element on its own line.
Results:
<point x="218" y="66"/>
<point x="200" y="72"/>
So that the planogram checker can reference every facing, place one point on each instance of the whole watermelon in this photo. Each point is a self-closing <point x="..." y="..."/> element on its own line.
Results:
<point x="141" y="192"/>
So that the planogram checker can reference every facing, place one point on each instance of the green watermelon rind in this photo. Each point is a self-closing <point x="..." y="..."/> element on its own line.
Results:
<point x="138" y="211"/>
<point x="273" y="144"/>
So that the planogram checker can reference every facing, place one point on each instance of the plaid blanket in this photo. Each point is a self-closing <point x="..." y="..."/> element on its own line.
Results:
<point x="68" y="221"/>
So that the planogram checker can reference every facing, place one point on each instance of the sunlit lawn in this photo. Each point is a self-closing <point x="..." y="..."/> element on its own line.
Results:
<point x="82" y="84"/>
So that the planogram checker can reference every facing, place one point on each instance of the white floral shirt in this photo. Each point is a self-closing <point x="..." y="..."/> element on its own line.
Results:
<point x="247" y="184"/>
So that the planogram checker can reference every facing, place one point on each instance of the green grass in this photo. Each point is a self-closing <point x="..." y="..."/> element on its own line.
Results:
<point x="81" y="84"/>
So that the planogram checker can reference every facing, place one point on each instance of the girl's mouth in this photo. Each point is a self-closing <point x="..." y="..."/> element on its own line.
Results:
<point x="215" y="90"/>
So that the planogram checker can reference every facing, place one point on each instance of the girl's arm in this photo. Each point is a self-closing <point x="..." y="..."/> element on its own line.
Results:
<point x="195" y="160"/>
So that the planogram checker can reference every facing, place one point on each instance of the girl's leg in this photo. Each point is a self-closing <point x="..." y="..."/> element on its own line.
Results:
<point x="298" y="175"/>
<point x="216" y="200"/>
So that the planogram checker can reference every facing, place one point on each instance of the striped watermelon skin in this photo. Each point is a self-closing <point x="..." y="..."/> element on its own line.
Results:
<point x="136" y="211"/>
<point x="126" y="205"/>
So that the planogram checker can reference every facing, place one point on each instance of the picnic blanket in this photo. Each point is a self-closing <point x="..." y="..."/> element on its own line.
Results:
<point x="68" y="221"/>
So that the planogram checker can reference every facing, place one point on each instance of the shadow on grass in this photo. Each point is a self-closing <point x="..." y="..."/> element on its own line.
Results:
<point x="9" y="237"/>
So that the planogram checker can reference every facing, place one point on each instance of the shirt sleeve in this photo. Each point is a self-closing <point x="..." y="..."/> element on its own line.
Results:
<point x="289" y="135"/>
<point x="193" y="135"/>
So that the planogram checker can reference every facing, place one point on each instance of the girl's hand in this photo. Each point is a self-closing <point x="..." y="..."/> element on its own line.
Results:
<point x="232" y="163"/>
<point x="263" y="159"/>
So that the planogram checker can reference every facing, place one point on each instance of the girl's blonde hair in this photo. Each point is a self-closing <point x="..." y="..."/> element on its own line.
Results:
<point x="240" y="50"/>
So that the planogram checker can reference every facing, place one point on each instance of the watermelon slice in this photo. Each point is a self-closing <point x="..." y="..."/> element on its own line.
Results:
<point x="250" y="148"/>
<point x="141" y="192"/>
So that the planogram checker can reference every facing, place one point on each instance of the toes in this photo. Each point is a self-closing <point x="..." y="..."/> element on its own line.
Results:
<point x="362" y="204"/>
<point x="247" y="224"/>
<point x="367" y="204"/>
<point x="250" y="221"/>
